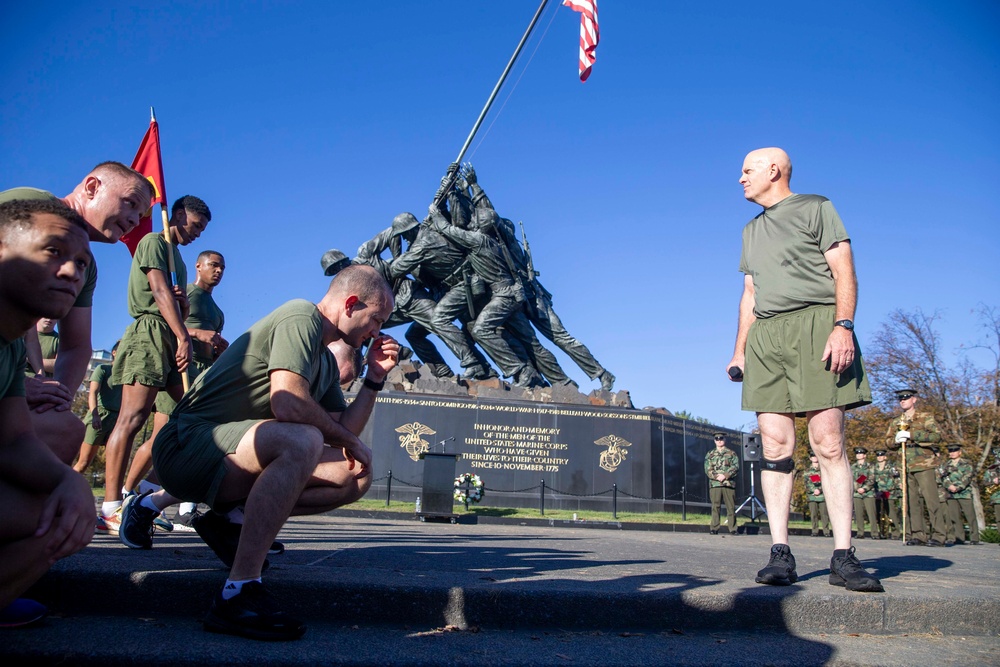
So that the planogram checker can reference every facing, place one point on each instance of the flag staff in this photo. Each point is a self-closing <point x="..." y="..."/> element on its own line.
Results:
<point x="185" y="380"/>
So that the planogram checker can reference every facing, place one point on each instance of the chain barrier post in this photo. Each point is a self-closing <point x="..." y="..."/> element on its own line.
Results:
<point x="614" y="502"/>
<point x="684" y="503"/>
<point x="541" y="499"/>
<point x="388" y="488"/>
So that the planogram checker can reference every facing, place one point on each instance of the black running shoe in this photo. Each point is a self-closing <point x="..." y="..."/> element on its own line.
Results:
<point x="780" y="570"/>
<point x="253" y="614"/>
<point x="846" y="571"/>
<point x="136" y="530"/>
<point x="221" y="535"/>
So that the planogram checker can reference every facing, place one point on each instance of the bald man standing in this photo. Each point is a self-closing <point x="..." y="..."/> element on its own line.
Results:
<point x="797" y="355"/>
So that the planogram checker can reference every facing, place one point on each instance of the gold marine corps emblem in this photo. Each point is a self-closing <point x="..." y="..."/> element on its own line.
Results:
<point x="411" y="439"/>
<point x="615" y="453"/>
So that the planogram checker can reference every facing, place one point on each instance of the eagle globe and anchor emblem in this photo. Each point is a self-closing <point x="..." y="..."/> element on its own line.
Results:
<point x="615" y="453"/>
<point x="412" y="439"/>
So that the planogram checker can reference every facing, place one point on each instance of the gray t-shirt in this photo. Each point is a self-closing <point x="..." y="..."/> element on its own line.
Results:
<point x="783" y="250"/>
<point x="238" y="386"/>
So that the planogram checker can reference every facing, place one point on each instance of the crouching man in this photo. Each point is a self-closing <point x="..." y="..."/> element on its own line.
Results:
<point x="48" y="508"/>
<point x="266" y="428"/>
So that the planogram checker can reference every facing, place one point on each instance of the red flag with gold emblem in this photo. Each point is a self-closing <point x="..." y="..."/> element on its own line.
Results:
<point x="148" y="163"/>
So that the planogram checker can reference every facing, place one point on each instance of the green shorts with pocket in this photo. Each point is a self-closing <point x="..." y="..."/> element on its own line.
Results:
<point x="100" y="438"/>
<point x="784" y="372"/>
<point x="147" y="354"/>
<point x="188" y="456"/>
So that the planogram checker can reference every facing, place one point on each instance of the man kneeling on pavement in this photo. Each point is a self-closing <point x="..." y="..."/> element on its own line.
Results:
<point x="267" y="430"/>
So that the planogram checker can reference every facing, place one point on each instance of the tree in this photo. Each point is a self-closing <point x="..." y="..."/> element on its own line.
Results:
<point x="906" y="351"/>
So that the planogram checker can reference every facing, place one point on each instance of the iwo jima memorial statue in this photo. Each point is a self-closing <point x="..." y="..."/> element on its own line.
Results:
<point x="463" y="276"/>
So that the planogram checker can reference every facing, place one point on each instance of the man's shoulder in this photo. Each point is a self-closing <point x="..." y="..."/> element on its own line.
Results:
<point x="25" y="193"/>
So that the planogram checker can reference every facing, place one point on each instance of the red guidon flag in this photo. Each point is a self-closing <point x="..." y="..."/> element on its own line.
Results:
<point x="590" y="35"/>
<point x="148" y="163"/>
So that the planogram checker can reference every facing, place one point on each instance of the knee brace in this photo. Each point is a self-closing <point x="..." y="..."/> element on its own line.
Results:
<point x="786" y="465"/>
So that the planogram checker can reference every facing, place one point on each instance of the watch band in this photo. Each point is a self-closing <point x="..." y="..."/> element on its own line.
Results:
<point x="374" y="386"/>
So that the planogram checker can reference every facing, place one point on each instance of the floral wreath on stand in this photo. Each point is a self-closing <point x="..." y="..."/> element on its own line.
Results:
<point x="469" y="488"/>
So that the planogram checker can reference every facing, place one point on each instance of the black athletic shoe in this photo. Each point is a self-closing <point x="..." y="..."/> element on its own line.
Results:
<point x="136" y="530"/>
<point x="221" y="535"/>
<point x="780" y="570"/>
<point x="713" y="532"/>
<point x="934" y="543"/>
<point x="846" y="571"/>
<point x="917" y="543"/>
<point x="253" y="614"/>
<point x="276" y="548"/>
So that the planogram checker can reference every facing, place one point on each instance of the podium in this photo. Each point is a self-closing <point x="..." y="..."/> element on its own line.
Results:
<point x="438" y="493"/>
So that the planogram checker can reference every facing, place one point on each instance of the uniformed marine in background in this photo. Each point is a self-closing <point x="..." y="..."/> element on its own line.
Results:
<point x="864" y="493"/>
<point x="921" y="437"/>
<point x="956" y="480"/>
<point x="721" y="467"/>
<point x="888" y="493"/>
<point x="817" y="502"/>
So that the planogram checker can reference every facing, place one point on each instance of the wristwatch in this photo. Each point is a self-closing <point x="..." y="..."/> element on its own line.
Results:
<point x="847" y="324"/>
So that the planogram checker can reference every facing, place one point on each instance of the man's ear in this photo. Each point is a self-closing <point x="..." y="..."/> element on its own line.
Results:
<point x="91" y="185"/>
<point x="351" y="304"/>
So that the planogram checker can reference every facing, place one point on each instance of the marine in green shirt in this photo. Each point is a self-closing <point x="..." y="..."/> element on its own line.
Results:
<point x="110" y="199"/>
<point x="864" y="494"/>
<point x="156" y="348"/>
<point x="267" y="428"/>
<point x="817" y="501"/>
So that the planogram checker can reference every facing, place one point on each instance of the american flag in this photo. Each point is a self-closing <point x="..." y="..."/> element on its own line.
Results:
<point x="590" y="35"/>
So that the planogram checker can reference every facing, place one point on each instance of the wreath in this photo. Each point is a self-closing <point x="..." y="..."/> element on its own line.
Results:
<point x="469" y="488"/>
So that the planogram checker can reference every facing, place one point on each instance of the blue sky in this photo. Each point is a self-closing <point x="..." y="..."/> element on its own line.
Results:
<point x="308" y="126"/>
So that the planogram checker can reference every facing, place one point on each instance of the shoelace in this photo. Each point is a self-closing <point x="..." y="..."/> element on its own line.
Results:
<point x="850" y="562"/>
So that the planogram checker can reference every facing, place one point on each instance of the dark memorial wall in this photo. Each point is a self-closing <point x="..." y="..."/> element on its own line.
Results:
<point x="580" y="452"/>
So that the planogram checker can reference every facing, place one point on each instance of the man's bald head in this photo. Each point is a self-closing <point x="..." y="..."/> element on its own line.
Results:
<point x="766" y="175"/>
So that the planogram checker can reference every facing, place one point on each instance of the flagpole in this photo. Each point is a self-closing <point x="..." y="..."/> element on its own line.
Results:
<point x="172" y="278"/>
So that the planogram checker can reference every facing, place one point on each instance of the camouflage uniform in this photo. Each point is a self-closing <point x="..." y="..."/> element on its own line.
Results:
<point x="958" y="473"/>
<point x="922" y="460"/>
<point x="888" y="493"/>
<point x="722" y="462"/>
<point x="817" y="502"/>
<point x="864" y="498"/>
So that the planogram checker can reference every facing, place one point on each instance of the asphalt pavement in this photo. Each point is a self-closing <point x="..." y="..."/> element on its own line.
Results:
<point x="379" y="590"/>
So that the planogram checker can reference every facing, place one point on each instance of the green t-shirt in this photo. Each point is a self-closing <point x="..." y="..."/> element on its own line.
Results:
<point x="238" y="386"/>
<point x="12" y="361"/>
<point x="783" y="250"/>
<point x="49" y="343"/>
<point x="109" y="396"/>
<point x="85" y="299"/>
<point x="205" y="314"/>
<point x="151" y="253"/>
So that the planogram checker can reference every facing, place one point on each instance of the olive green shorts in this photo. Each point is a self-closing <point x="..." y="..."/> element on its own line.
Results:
<point x="99" y="438"/>
<point x="147" y="354"/>
<point x="188" y="456"/>
<point x="164" y="403"/>
<point x="784" y="372"/>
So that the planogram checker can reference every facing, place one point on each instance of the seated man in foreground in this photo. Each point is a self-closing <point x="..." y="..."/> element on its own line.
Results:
<point x="48" y="507"/>
<point x="267" y="428"/>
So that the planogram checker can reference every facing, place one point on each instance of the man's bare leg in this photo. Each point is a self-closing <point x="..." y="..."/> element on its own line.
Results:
<point x="137" y="403"/>
<point x="826" y="435"/>
<point x="86" y="456"/>
<point x="142" y="462"/>
<point x="270" y="467"/>
<point x="777" y="434"/>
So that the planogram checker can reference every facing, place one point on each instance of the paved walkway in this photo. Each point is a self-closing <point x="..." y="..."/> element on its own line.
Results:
<point x="369" y="571"/>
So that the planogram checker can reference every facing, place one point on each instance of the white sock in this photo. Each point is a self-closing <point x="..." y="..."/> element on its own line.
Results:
<point x="233" y="588"/>
<point x="235" y="515"/>
<point x="145" y="486"/>
<point x="187" y="508"/>
<point x="110" y="507"/>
